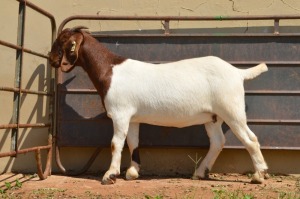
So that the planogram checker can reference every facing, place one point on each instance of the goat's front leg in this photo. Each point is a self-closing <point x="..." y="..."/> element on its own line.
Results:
<point x="117" y="144"/>
<point x="133" y="142"/>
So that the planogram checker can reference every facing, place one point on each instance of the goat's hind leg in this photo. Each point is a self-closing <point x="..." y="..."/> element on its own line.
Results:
<point x="250" y="141"/>
<point x="133" y="142"/>
<point x="217" y="141"/>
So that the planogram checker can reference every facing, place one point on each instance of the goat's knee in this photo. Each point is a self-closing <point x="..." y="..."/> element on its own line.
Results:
<point x="252" y="145"/>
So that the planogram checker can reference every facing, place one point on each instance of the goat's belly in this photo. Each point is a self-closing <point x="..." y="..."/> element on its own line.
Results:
<point x="178" y="121"/>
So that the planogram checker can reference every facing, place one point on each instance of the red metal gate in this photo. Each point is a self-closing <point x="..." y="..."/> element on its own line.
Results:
<point x="18" y="90"/>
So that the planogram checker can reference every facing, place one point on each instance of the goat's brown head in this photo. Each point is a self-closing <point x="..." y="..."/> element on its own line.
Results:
<point x="65" y="49"/>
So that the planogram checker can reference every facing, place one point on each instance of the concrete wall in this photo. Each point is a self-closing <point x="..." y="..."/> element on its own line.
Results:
<point x="35" y="73"/>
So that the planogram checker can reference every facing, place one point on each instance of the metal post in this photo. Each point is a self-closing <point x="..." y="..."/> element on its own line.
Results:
<point x="167" y="27"/>
<point x="276" y="26"/>
<point x="18" y="77"/>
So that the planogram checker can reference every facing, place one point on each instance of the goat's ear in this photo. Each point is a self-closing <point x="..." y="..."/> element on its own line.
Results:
<point x="71" y="52"/>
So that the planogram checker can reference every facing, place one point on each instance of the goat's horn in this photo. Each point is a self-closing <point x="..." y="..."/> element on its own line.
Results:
<point x="78" y="28"/>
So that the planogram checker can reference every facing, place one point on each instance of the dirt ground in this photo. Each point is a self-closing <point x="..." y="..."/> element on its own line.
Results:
<point x="89" y="186"/>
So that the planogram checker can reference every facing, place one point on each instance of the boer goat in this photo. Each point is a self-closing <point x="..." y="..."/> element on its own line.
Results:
<point x="204" y="90"/>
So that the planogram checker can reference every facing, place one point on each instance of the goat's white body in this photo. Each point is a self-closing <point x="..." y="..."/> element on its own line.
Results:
<point x="203" y="90"/>
<point x="177" y="94"/>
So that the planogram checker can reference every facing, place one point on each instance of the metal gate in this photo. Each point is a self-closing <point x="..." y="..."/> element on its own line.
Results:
<point x="18" y="90"/>
<point x="272" y="99"/>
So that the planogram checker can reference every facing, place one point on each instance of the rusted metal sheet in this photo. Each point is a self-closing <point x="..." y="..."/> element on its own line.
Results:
<point x="272" y="99"/>
<point x="233" y="49"/>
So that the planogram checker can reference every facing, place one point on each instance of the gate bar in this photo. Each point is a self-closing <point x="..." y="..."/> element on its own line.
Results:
<point x="17" y="47"/>
<point x="37" y="125"/>
<point x="25" y="91"/>
<point x="22" y="151"/>
<point x="167" y="19"/>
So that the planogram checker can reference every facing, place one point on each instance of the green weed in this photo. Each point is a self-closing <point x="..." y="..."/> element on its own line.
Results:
<point x="288" y="195"/>
<point x="196" y="161"/>
<point x="18" y="184"/>
<point x="154" y="197"/>
<point x="236" y="194"/>
<point x="47" y="192"/>
<point x="10" y="185"/>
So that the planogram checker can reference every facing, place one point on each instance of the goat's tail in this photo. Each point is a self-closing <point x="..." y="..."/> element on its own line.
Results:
<point x="253" y="72"/>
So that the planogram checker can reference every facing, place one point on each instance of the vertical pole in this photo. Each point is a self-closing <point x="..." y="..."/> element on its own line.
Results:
<point x="276" y="26"/>
<point x="18" y="77"/>
<point x="52" y="103"/>
<point x="167" y="27"/>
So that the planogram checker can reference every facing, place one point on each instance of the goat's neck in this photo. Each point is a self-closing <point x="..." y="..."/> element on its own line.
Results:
<point x="98" y="62"/>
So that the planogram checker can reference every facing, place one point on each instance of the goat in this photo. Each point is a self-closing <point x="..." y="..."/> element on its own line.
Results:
<point x="205" y="90"/>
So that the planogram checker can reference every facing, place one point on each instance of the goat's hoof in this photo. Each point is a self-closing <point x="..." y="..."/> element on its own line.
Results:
<point x="257" y="178"/>
<point x="109" y="180"/>
<point x="205" y="177"/>
<point x="132" y="174"/>
<point x="196" y="177"/>
<point x="267" y="176"/>
<point x="199" y="178"/>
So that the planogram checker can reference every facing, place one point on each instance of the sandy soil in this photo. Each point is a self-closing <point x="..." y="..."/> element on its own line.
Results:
<point x="89" y="186"/>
